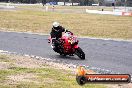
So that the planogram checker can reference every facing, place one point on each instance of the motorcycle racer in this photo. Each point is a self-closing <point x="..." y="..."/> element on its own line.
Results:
<point x="67" y="45"/>
<point x="56" y="34"/>
<point x="57" y="30"/>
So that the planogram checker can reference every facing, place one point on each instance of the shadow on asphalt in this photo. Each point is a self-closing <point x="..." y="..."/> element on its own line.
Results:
<point x="67" y="57"/>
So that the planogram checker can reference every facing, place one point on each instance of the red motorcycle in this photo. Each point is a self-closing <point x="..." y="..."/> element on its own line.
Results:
<point x="68" y="45"/>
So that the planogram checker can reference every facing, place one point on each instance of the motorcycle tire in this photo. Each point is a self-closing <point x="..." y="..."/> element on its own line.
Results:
<point x="80" y="53"/>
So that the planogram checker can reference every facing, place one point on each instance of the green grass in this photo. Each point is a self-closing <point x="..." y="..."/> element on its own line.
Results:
<point x="4" y="58"/>
<point x="44" y="77"/>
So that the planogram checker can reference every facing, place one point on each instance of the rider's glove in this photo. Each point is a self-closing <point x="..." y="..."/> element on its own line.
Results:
<point x="68" y="31"/>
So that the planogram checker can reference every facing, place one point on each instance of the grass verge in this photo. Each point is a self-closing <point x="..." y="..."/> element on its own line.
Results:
<point x="92" y="25"/>
<point x="37" y="76"/>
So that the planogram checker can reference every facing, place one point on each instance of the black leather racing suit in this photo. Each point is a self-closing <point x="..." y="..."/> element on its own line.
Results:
<point x="56" y="33"/>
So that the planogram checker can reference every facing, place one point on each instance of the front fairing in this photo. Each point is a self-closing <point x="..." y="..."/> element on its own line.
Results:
<point x="70" y="43"/>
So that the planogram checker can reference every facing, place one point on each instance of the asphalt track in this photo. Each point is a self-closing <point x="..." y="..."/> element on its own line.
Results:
<point x="105" y="54"/>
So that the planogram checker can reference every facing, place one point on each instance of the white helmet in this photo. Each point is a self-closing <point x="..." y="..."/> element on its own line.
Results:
<point x="56" y="24"/>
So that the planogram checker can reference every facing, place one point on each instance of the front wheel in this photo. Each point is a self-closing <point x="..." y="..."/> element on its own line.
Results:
<point x="80" y="53"/>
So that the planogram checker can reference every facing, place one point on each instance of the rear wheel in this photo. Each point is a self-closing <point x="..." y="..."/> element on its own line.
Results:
<point x="80" y="53"/>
